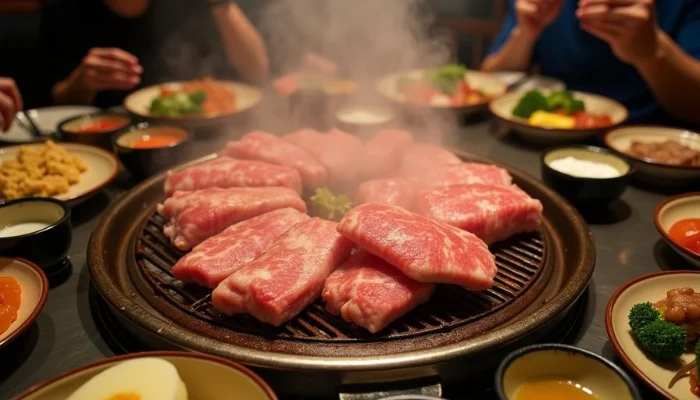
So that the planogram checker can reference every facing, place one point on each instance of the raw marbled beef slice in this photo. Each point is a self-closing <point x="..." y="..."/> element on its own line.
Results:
<point x="395" y="191"/>
<point x="423" y="249"/>
<point x="221" y="255"/>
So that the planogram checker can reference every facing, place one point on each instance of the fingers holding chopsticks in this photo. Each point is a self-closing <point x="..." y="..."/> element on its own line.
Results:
<point x="10" y="102"/>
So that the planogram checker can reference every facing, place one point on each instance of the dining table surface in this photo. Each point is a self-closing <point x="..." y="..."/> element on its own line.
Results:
<point x="68" y="332"/>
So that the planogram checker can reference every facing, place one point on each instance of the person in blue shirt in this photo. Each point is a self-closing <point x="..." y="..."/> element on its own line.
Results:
<point x="643" y="53"/>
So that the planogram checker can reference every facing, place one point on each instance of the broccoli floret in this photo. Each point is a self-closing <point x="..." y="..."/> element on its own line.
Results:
<point x="531" y="101"/>
<point x="565" y="101"/>
<point x="662" y="340"/>
<point x="643" y="314"/>
<point x="329" y="206"/>
<point x="198" y="97"/>
<point x="445" y="79"/>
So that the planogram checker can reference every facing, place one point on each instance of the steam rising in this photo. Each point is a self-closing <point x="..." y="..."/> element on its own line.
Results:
<point x="366" y="38"/>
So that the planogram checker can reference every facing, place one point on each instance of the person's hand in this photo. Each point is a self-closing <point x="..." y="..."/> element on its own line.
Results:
<point x="535" y="15"/>
<point x="10" y="102"/>
<point x="107" y="69"/>
<point x="628" y="26"/>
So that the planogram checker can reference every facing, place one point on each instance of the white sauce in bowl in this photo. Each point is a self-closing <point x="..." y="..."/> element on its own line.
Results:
<point x="363" y="116"/>
<point x="22" y="228"/>
<point x="584" y="168"/>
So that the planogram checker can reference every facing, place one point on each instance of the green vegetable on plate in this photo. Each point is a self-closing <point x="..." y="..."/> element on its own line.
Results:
<point x="445" y="79"/>
<point x="535" y="100"/>
<point x="325" y="204"/>
<point x="662" y="340"/>
<point x="531" y="101"/>
<point x="178" y="104"/>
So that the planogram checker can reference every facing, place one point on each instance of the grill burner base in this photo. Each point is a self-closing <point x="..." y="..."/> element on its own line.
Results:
<point x="121" y="341"/>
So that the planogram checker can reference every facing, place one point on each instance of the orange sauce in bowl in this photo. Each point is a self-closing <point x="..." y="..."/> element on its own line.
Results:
<point x="552" y="389"/>
<point x="100" y="125"/>
<point x="686" y="233"/>
<point x="10" y="301"/>
<point x="152" y="142"/>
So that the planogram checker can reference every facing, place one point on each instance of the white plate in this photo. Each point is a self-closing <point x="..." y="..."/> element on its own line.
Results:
<point x="139" y="102"/>
<point x="47" y="119"/>
<point x="102" y="168"/>
<point x="502" y="108"/>
<point x="652" y="288"/>
<point x="485" y="82"/>
<point x="531" y="83"/>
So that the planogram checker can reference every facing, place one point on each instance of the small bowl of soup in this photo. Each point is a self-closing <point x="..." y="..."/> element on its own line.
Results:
<point x="147" y="149"/>
<point x="363" y="119"/>
<point x="36" y="229"/>
<point x="558" y="371"/>
<point x="93" y="129"/>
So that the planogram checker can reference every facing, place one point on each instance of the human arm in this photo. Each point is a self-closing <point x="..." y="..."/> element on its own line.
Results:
<point x="630" y="28"/>
<point x="10" y="102"/>
<point x="128" y="8"/>
<point x="522" y="28"/>
<point x="244" y="46"/>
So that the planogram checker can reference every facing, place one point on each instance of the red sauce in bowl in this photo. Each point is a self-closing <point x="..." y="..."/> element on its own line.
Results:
<point x="686" y="233"/>
<point x="10" y="301"/>
<point x="152" y="142"/>
<point x="100" y="125"/>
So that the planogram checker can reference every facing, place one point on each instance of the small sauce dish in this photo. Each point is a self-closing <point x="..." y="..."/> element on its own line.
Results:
<point x="678" y="221"/>
<point x="93" y="129"/>
<point x="36" y="229"/>
<point x="33" y="290"/>
<point x="363" y="119"/>
<point x="586" y="175"/>
<point x="147" y="149"/>
<point x="557" y="371"/>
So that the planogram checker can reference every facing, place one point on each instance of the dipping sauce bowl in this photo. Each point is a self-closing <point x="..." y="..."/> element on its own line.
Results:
<point x="147" y="149"/>
<point x="93" y="129"/>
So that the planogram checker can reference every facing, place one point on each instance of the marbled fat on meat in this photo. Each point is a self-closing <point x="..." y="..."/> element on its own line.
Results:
<point x="396" y="191"/>
<point x="491" y="212"/>
<point x="382" y="153"/>
<point x="423" y="157"/>
<point x="263" y="146"/>
<point x="225" y="172"/>
<point x="421" y="248"/>
<point x="195" y="216"/>
<point x="221" y="255"/>
<point x="370" y="293"/>
<point x="336" y="150"/>
<point x="462" y="174"/>
<point x="288" y="277"/>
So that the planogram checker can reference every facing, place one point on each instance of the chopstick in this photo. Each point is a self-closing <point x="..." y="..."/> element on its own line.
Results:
<point x="27" y="120"/>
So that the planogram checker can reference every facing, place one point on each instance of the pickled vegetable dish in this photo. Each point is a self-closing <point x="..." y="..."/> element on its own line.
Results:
<point x="559" y="110"/>
<point x="442" y="87"/>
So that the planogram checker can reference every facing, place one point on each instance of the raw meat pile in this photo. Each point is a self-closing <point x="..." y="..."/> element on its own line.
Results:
<point x="423" y="217"/>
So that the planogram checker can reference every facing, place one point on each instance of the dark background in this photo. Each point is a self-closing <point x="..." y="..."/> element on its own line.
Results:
<point x="471" y="24"/>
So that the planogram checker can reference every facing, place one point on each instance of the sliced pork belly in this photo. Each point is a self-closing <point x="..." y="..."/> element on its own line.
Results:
<point x="370" y="293"/>
<point x="462" y="174"/>
<point x="336" y="150"/>
<point x="263" y="146"/>
<point x="195" y="216"/>
<point x="394" y="191"/>
<point x="382" y="153"/>
<point x="491" y="212"/>
<point x="288" y="277"/>
<point x="423" y="157"/>
<point x="423" y="249"/>
<point x="225" y="172"/>
<point x="216" y="258"/>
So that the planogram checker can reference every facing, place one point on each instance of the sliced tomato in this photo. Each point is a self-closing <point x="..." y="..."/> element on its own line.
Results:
<point x="587" y="121"/>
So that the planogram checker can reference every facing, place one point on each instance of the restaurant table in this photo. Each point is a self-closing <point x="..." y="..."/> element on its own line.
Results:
<point x="67" y="335"/>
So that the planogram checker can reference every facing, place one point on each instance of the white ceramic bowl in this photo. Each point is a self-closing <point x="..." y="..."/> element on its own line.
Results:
<point x="205" y="376"/>
<point x="673" y="210"/>
<point x="620" y="140"/>
<point x="502" y="108"/>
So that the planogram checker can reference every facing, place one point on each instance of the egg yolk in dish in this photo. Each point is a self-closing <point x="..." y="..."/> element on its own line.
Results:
<point x="10" y="301"/>
<point x="686" y="233"/>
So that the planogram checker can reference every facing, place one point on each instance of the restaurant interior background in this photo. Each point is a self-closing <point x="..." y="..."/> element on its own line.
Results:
<point x="471" y="24"/>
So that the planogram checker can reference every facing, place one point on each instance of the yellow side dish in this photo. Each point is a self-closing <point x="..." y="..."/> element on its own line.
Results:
<point x="40" y="170"/>
<point x="550" y="120"/>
